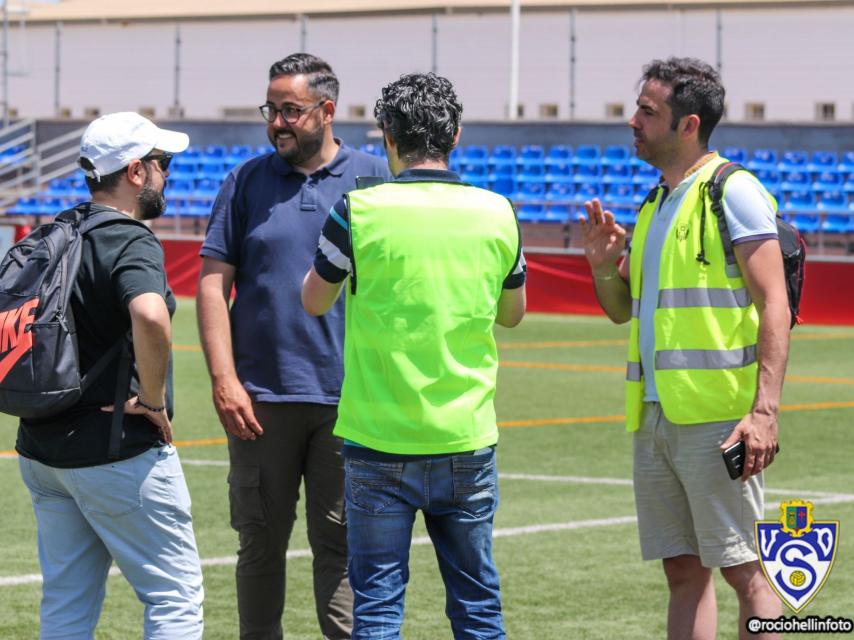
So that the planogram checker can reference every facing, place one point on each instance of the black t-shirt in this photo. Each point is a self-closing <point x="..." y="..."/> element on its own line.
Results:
<point x="119" y="262"/>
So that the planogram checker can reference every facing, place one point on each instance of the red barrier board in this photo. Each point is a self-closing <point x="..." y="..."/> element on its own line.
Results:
<point x="559" y="283"/>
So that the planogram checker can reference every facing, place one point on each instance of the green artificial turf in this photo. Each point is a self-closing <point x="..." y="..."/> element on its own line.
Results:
<point x="585" y="582"/>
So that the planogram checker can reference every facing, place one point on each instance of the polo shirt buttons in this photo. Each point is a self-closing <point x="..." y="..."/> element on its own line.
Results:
<point x="308" y="197"/>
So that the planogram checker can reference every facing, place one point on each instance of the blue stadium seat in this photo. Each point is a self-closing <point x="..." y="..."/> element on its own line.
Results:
<point x="474" y="173"/>
<point x="503" y="155"/>
<point x="531" y="154"/>
<point x="242" y="151"/>
<point x="475" y="154"/>
<point x="174" y="207"/>
<point x="214" y="154"/>
<point x="848" y="186"/>
<point x="846" y="162"/>
<point x="833" y="201"/>
<point x="530" y="192"/>
<point x="559" y="154"/>
<point x="503" y="171"/>
<point x="561" y="192"/>
<point x="762" y="159"/>
<point x="190" y="153"/>
<point x="793" y="161"/>
<point x="53" y="206"/>
<point x="617" y="173"/>
<point x="796" y="182"/>
<point x="183" y="172"/>
<point x="558" y="173"/>
<point x="587" y="173"/>
<point x="212" y="171"/>
<point x="454" y="160"/>
<point x="263" y="149"/>
<point x="822" y="161"/>
<point x="586" y="154"/>
<point x="838" y="224"/>
<point x="198" y="207"/>
<point x="797" y="201"/>
<point x="60" y="188"/>
<point x="646" y="174"/>
<point x="558" y="212"/>
<point x="615" y="154"/>
<point x="770" y="179"/>
<point x="79" y="190"/>
<point x="480" y="181"/>
<point x="206" y="188"/>
<point x="531" y="213"/>
<point x="180" y="188"/>
<point x="507" y="187"/>
<point x="531" y="173"/>
<point x="588" y="190"/>
<point x="804" y="223"/>
<point x="25" y="207"/>
<point x="735" y="154"/>
<point x="828" y="181"/>
<point x="373" y="149"/>
<point x="625" y="216"/>
<point x="620" y="195"/>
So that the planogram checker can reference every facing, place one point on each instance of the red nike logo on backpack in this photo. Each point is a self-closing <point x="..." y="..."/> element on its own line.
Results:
<point x="16" y="335"/>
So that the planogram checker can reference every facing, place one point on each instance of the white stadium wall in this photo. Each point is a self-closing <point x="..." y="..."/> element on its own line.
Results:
<point x="789" y="59"/>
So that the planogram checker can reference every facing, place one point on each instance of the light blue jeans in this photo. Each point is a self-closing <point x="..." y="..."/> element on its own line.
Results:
<point x="458" y="495"/>
<point x="136" y="512"/>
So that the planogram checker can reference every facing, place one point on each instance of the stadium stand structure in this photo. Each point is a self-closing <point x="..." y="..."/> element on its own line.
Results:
<point x="815" y="191"/>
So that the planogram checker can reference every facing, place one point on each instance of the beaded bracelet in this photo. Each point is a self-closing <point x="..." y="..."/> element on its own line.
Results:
<point x="140" y="403"/>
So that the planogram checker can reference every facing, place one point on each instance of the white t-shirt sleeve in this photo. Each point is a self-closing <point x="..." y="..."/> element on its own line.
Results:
<point x="748" y="212"/>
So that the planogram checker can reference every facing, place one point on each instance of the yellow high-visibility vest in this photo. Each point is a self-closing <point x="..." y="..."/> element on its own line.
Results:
<point x="420" y="360"/>
<point x="705" y="323"/>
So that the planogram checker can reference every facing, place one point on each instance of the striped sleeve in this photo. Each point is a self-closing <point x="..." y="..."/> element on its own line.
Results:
<point x="517" y="277"/>
<point x="332" y="259"/>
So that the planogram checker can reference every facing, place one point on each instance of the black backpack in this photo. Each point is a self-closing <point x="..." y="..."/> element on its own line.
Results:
<point x="39" y="365"/>
<point x="792" y="244"/>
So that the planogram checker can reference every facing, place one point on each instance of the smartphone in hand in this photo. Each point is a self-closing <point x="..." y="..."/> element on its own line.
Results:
<point x="734" y="459"/>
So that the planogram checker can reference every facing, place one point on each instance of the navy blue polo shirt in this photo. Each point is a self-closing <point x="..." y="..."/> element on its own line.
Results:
<point x="266" y="222"/>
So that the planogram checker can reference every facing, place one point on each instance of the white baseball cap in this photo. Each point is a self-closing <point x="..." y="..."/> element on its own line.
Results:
<point x="113" y="140"/>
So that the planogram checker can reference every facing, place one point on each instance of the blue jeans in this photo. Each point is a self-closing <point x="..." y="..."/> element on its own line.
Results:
<point x="136" y="512"/>
<point x="458" y="495"/>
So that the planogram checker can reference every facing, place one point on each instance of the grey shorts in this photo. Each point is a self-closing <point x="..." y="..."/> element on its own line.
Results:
<point x="686" y="502"/>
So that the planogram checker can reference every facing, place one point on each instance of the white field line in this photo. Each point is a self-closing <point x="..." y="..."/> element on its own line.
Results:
<point x="817" y="497"/>
<point x="34" y="578"/>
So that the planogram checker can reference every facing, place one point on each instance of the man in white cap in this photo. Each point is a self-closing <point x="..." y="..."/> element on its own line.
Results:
<point x="99" y="497"/>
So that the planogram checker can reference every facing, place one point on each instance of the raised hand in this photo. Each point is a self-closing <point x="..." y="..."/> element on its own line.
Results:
<point x="604" y="239"/>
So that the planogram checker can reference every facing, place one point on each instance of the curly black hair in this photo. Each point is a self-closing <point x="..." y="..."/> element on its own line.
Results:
<point x="421" y="113"/>
<point x="695" y="89"/>
<point x="321" y="78"/>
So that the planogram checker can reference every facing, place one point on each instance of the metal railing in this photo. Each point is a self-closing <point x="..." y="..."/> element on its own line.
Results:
<point x="31" y="167"/>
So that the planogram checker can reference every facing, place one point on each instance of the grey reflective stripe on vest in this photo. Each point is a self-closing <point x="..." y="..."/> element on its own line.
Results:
<point x="705" y="358"/>
<point x="634" y="371"/>
<point x="635" y="307"/>
<point x="702" y="297"/>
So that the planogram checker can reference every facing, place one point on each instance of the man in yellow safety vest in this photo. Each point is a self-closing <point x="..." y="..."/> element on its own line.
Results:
<point x="707" y="350"/>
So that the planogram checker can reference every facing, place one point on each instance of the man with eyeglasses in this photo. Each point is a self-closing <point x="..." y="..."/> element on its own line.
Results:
<point x="276" y="372"/>
<point x="93" y="504"/>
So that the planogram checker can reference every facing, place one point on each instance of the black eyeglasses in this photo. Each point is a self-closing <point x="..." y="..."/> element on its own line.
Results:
<point x="163" y="159"/>
<point x="290" y="113"/>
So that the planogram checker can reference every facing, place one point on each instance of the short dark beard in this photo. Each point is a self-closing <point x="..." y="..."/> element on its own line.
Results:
<point x="307" y="146"/>
<point x="152" y="204"/>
